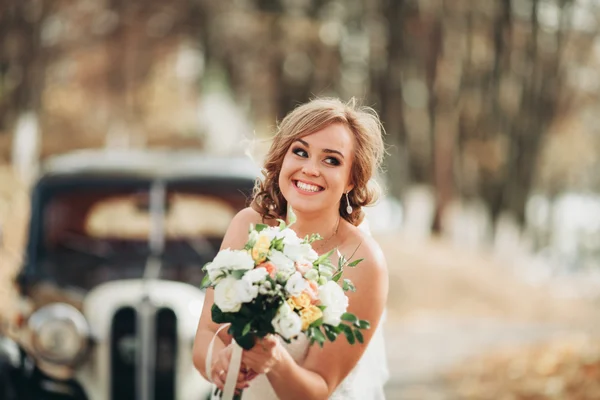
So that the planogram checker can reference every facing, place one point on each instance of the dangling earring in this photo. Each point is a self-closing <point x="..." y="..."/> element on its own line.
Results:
<point x="348" y="207"/>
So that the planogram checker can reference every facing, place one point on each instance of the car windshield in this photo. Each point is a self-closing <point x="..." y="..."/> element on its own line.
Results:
<point x="94" y="236"/>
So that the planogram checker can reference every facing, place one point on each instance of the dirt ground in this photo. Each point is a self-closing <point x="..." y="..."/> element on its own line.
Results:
<point x="454" y="315"/>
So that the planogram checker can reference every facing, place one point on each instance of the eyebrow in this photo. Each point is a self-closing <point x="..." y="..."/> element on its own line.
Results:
<point x="324" y="150"/>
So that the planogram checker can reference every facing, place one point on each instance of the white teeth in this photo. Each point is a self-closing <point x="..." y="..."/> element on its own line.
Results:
<point x="307" y="187"/>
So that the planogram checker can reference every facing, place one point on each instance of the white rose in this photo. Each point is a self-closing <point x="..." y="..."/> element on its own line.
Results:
<point x="312" y="255"/>
<point x="246" y="291"/>
<point x="289" y="237"/>
<point x="300" y="252"/>
<point x="226" y="295"/>
<point x="229" y="259"/>
<point x="296" y="284"/>
<point x="271" y="232"/>
<point x="285" y="266"/>
<point x="286" y="322"/>
<point x="255" y="275"/>
<point x="332" y="296"/>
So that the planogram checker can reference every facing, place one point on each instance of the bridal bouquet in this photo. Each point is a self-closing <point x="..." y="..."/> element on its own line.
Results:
<point x="279" y="285"/>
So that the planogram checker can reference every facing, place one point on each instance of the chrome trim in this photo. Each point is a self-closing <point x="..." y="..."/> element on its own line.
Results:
<point x="64" y="312"/>
<point x="146" y="313"/>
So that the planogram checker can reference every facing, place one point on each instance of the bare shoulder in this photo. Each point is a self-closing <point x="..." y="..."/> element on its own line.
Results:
<point x="237" y="232"/>
<point x="363" y="246"/>
<point x="247" y="216"/>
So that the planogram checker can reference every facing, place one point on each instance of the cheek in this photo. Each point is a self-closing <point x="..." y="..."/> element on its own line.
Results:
<point x="287" y="167"/>
<point x="284" y="172"/>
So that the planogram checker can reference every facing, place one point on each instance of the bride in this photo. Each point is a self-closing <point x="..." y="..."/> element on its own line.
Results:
<point x="320" y="163"/>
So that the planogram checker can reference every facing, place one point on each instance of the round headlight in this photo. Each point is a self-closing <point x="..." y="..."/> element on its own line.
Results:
<point x="59" y="332"/>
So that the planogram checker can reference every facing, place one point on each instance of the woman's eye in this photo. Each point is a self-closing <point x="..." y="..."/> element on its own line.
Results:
<point x="300" y="152"/>
<point x="332" y="161"/>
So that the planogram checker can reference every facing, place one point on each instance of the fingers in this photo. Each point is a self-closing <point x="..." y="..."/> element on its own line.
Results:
<point x="268" y="342"/>
<point x="259" y="364"/>
<point x="220" y="376"/>
<point x="250" y="375"/>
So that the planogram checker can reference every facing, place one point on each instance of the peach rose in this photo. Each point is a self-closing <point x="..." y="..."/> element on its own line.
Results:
<point x="303" y="267"/>
<point x="270" y="267"/>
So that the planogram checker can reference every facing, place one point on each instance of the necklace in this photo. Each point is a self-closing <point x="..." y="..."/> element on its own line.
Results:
<point x="321" y="243"/>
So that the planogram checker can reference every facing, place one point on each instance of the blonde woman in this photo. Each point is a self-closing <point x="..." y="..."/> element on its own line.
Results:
<point x="321" y="163"/>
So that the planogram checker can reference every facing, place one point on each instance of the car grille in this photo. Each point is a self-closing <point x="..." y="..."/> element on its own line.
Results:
<point x="124" y="348"/>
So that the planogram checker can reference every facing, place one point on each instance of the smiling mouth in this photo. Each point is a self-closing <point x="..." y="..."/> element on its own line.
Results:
<point x="307" y="187"/>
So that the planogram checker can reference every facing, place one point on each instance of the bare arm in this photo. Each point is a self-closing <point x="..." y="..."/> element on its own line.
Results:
<point x="235" y="238"/>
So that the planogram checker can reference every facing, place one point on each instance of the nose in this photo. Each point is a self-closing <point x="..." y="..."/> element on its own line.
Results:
<point x="310" y="169"/>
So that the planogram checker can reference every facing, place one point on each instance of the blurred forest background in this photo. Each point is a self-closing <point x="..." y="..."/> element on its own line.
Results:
<point x="491" y="109"/>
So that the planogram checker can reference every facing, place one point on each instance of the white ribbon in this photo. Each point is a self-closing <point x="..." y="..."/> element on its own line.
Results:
<point x="234" y="366"/>
<point x="208" y="362"/>
<point x="233" y="372"/>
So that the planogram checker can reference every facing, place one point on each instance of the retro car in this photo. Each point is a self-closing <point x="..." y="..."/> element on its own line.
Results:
<point x="110" y="283"/>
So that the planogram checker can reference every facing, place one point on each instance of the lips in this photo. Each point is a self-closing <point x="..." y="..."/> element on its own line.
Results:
<point x="308" y="187"/>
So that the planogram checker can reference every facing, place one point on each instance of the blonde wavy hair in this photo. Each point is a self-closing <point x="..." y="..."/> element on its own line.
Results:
<point x="309" y="118"/>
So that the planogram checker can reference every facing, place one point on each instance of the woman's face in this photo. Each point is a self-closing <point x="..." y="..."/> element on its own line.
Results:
<point x="316" y="169"/>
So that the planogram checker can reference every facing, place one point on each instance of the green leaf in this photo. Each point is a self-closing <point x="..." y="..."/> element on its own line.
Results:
<point x="318" y="322"/>
<point x="238" y="273"/>
<point x="349" y="317"/>
<point x="330" y="333"/>
<point x="356" y="262"/>
<point x="277" y="244"/>
<point x="219" y="316"/>
<point x="318" y="335"/>
<point x="341" y="259"/>
<point x="310" y="239"/>
<point x="324" y="257"/>
<point x="246" y="311"/>
<point x="364" y="324"/>
<point x="281" y="224"/>
<point x="206" y="282"/>
<point x="291" y="216"/>
<point x="260" y="227"/>
<point x="349" y="334"/>
<point x="359" y="336"/>
<point x="348" y="285"/>
<point x="246" y="342"/>
<point x="246" y="329"/>
<point x="336" y="277"/>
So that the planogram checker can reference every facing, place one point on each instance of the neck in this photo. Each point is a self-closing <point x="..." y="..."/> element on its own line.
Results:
<point x="325" y="224"/>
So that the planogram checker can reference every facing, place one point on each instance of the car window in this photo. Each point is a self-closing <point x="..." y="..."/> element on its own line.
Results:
<point x="188" y="215"/>
<point x="98" y="234"/>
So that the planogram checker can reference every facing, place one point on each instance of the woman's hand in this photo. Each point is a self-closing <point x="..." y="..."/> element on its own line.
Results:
<point x="220" y="366"/>
<point x="264" y="356"/>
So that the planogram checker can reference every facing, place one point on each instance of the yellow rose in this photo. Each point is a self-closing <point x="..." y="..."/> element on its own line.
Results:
<point x="302" y="301"/>
<point x="261" y="249"/>
<point x="291" y="304"/>
<point x="310" y="315"/>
